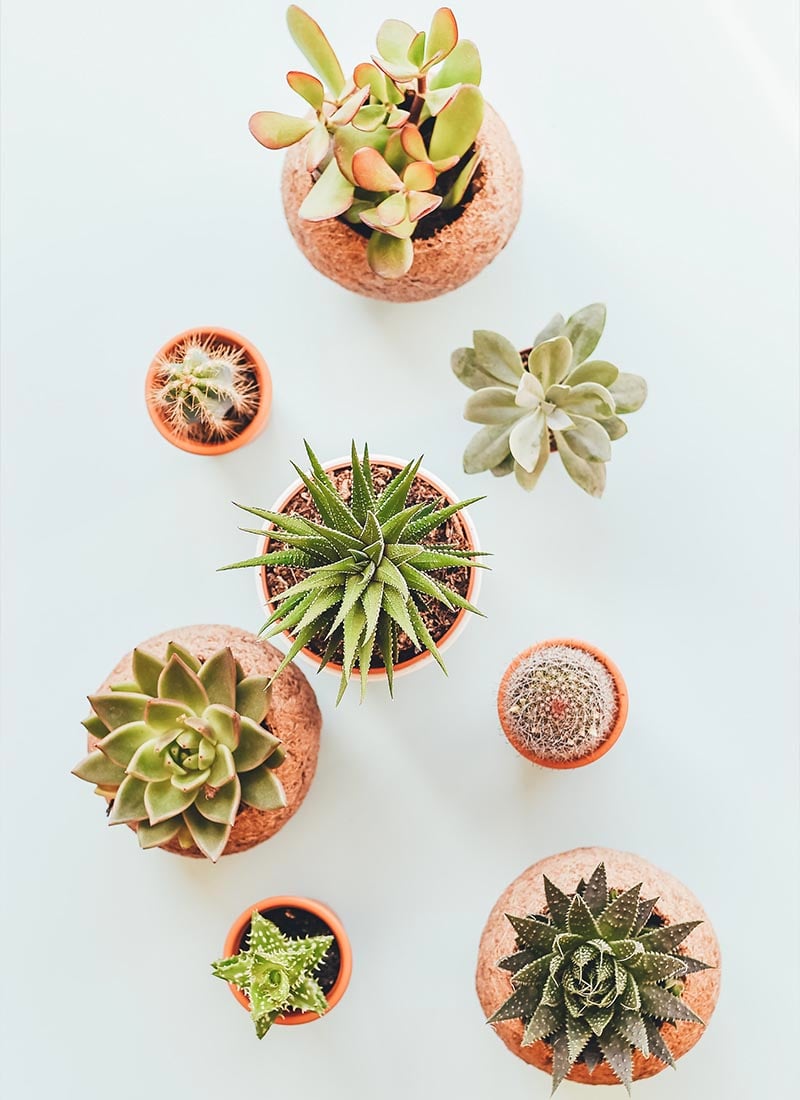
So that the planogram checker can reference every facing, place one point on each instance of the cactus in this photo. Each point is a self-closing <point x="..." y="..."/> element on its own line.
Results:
<point x="552" y="397"/>
<point x="561" y="702"/>
<point x="276" y="972"/>
<point x="394" y="143"/>
<point x="369" y="570"/>
<point x="182" y="747"/>
<point x="597" y="977"/>
<point x="203" y="390"/>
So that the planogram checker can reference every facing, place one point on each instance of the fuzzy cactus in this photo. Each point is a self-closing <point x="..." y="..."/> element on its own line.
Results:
<point x="276" y="972"/>
<point x="598" y="977"/>
<point x="181" y="747"/>
<point x="552" y="397"/>
<point x="393" y="143"/>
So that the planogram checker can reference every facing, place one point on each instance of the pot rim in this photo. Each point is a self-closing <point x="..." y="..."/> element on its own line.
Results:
<point x="263" y="378"/>
<point x="614" y="733"/>
<point x="318" y="909"/>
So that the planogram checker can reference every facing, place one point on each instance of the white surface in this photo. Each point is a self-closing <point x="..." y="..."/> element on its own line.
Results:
<point x="659" y="148"/>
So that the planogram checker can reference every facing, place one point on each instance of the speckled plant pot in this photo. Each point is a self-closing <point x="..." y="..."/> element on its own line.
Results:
<point x="455" y="254"/>
<point x="294" y="717"/>
<point x="526" y="895"/>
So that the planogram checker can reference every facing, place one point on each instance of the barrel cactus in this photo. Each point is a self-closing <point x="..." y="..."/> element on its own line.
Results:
<point x="181" y="747"/>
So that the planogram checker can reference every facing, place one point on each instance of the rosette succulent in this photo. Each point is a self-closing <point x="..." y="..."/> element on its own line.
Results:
<point x="551" y="397"/>
<point x="181" y="747"/>
<point x="598" y="977"/>
<point x="276" y="973"/>
<point x="393" y="143"/>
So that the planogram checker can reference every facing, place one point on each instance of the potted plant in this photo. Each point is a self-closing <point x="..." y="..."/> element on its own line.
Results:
<point x="597" y="967"/>
<point x="400" y="183"/>
<point x="287" y="960"/>
<point x="550" y="397"/>
<point x="194" y="746"/>
<point x="367" y="566"/>
<point x="208" y="391"/>
<point x="562" y="703"/>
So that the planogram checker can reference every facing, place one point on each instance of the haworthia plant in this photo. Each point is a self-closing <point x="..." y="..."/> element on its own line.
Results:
<point x="182" y="746"/>
<point x="598" y="977"/>
<point x="276" y="972"/>
<point x="393" y="143"/>
<point x="554" y="396"/>
<point x="370" y="569"/>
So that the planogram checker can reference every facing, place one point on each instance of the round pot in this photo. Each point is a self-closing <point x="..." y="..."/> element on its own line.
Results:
<point x="526" y="896"/>
<point x="613" y="735"/>
<point x="402" y="668"/>
<point x="456" y="253"/>
<point x="255" y="361"/>
<point x="237" y="930"/>
<point x="294" y="717"/>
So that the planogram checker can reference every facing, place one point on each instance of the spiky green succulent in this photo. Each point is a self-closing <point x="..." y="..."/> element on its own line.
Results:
<point x="182" y="746"/>
<point x="551" y="397"/>
<point x="276" y="972"/>
<point x="370" y="570"/>
<point x="394" y="143"/>
<point x="598" y="977"/>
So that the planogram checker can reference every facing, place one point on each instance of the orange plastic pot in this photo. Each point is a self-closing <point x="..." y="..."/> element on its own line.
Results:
<point x="289" y="901"/>
<point x="256" y="362"/>
<point x="615" y="731"/>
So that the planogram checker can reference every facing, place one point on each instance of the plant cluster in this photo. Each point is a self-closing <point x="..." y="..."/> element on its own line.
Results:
<point x="393" y="143"/>
<point x="182" y="746"/>
<point x="597" y="977"/>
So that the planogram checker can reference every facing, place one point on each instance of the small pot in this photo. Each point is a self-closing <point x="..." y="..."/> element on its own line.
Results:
<point x="614" y="733"/>
<point x="402" y="668"/>
<point x="526" y="896"/>
<point x="456" y="253"/>
<point x="255" y="361"/>
<point x="237" y="930"/>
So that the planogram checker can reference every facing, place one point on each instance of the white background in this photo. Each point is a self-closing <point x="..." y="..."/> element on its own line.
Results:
<point x="658" y="143"/>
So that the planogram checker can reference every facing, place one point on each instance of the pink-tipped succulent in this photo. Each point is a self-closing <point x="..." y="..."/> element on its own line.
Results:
<point x="393" y="143"/>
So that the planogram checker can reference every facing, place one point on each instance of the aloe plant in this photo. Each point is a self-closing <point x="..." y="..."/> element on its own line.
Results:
<point x="393" y="143"/>
<point x="181" y="747"/>
<point x="551" y="397"/>
<point x="598" y="977"/>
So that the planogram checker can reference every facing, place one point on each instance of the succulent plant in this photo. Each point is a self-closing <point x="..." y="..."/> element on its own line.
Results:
<point x="551" y="397"/>
<point x="276" y="972"/>
<point x="369" y="569"/>
<point x="181" y="747"/>
<point x="204" y="390"/>
<point x="597" y="977"/>
<point x="392" y="144"/>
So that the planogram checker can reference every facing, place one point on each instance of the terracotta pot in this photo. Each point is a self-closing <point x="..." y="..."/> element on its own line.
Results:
<point x="255" y="361"/>
<point x="451" y="257"/>
<point x="294" y="717"/>
<point x="402" y="668"/>
<point x="526" y="896"/>
<point x="613" y="735"/>
<point x="237" y="930"/>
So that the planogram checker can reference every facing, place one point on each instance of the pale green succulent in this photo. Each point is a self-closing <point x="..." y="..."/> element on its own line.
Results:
<point x="276" y="972"/>
<point x="182" y="746"/>
<point x="552" y="397"/>
<point x="392" y="144"/>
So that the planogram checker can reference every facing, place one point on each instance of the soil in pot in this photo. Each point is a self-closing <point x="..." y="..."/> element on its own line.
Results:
<point x="299" y="923"/>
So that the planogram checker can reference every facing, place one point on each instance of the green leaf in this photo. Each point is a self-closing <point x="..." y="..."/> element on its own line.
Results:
<point x="253" y="698"/>
<point x="669" y="937"/>
<point x="594" y="370"/>
<point x="655" y="968"/>
<point x="541" y="1025"/>
<point x="497" y="357"/>
<point x="316" y="48"/>
<point x="487" y="448"/>
<point x="584" y="329"/>
<point x="442" y="36"/>
<point x="615" y="427"/>
<point x="463" y="66"/>
<point x="617" y="1052"/>
<point x="178" y="682"/>
<point x="464" y="365"/>
<point x="218" y="677"/>
<point x="562" y="1062"/>
<point x="329" y="197"/>
<point x="424" y="635"/>
<point x="389" y="257"/>
<point x="554" y="327"/>
<point x="590" y="476"/>
<point x="580" y="920"/>
<point x="308" y="87"/>
<point x="662" y="1005"/>
<point x="629" y="392"/>
<point x="255" y="745"/>
<point x="588" y="439"/>
<point x="457" y="124"/>
<point x="152" y="836"/>
<point x="189" y="659"/>
<point x="148" y="763"/>
<point x="128" y="802"/>
<point x="393" y="498"/>
<point x="618" y="919"/>
<point x="550" y="361"/>
<point x="492" y="405"/>
<point x="163" y="715"/>
<point x="658" y="1048"/>
<point x="394" y="40"/>
<point x="397" y="608"/>
<point x="262" y="789"/>
<point x="119" y="708"/>
<point x="557" y="902"/>
<point x="146" y="669"/>
<point x="164" y="800"/>
<point x="97" y="768"/>
<point x="210" y="837"/>
<point x="275" y="130"/>
<point x="596" y="893"/>
<point x="120" y="745"/>
<point x="535" y="934"/>
<point x="220" y="804"/>
<point x="462" y="181"/>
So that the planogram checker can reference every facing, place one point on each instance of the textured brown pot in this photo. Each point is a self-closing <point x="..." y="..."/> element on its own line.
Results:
<point x="443" y="262"/>
<point x="526" y="895"/>
<point x="294" y="717"/>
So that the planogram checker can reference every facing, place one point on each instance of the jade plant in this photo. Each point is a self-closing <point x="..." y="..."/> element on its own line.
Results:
<point x="368" y="571"/>
<point x="393" y="143"/>
<point x="276" y="973"/>
<point x="598" y="977"/>
<point x="550" y="397"/>
<point x="181" y="747"/>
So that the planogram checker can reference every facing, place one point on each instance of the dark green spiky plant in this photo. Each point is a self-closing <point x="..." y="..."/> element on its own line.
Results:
<point x="597" y="977"/>
<point x="370" y="570"/>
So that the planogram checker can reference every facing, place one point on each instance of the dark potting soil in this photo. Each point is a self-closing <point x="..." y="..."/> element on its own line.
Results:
<point x="300" y="924"/>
